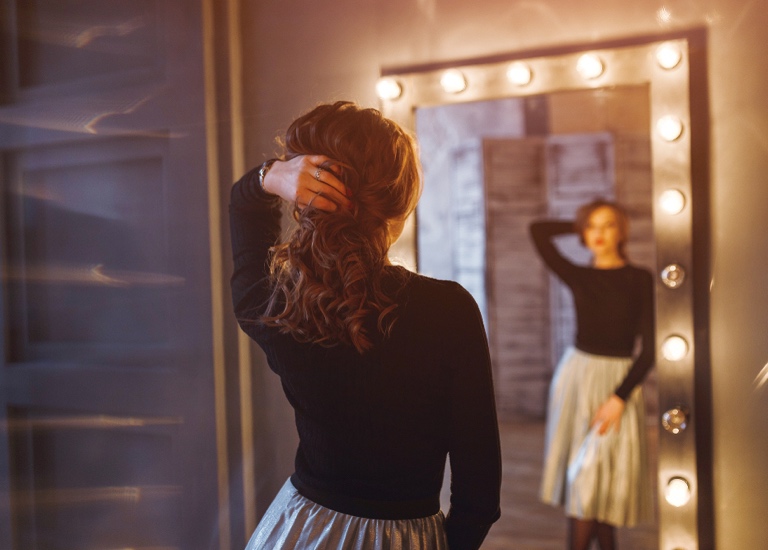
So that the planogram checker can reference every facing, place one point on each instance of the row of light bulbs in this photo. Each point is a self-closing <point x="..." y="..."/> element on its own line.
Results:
<point x="677" y="491"/>
<point x="519" y="73"/>
<point x="589" y="65"/>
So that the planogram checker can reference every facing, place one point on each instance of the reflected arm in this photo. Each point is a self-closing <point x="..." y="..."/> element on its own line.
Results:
<point x="644" y="361"/>
<point x="542" y="233"/>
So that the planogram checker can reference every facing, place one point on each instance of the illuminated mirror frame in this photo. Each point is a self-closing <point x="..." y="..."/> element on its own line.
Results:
<point x="681" y="237"/>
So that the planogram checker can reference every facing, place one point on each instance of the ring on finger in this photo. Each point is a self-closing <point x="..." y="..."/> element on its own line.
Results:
<point x="317" y="194"/>
<point x="317" y="174"/>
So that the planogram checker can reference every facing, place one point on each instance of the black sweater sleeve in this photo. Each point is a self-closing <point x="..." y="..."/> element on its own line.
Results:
<point x="474" y="449"/>
<point x="542" y="233"/>
<point x="254" y="229"/>
<point x="645" y="359"/>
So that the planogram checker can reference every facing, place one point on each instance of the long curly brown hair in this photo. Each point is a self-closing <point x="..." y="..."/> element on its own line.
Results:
<point x="327" y="275"/>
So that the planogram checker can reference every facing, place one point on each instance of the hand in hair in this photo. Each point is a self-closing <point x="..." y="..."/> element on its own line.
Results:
<point x="295" y="180"/>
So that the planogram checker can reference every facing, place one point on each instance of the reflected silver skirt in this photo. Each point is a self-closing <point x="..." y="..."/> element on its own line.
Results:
<point x="593" y="476"/>
<point x="295" y="522"/>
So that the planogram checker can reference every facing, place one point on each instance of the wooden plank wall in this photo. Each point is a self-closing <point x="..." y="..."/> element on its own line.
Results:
<point x="518" y="315"/>
<point x="530" y="313"/>
<point x="468" y="222"/>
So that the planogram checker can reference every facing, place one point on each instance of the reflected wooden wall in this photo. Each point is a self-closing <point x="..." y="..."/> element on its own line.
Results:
<point x="531" y="319"/>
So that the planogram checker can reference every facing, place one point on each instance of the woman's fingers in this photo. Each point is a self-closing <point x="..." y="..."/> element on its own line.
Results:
<point x="609" y="415"/>
<point x="317" y="200"/>
<point x="330" y="186"/>
<point x="330" y="191"/>
<point x="307" y="180"/>
<point x="606" y="425"/>
<point x="602" y="425"/>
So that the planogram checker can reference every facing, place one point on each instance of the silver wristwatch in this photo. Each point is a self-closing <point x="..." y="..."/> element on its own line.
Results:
<point x="263" y="173"/>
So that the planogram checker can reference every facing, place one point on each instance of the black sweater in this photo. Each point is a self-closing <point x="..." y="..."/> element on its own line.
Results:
<point x="613" y="306"/>
<point x="374" y="429"/>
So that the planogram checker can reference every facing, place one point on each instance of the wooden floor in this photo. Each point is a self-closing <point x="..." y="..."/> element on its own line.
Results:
<point x="526" y="523"/>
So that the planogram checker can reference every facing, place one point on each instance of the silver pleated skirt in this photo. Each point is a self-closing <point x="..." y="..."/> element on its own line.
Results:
<point x="593" y="476"/>
<point x="293" y="522"/>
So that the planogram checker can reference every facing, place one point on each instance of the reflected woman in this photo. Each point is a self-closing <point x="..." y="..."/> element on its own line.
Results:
<point x="387" y="371"/>
<point x="595" y="463"/>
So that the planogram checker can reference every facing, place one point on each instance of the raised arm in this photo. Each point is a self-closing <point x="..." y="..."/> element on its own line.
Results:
<point x="542" y="233"/>
<point x="254" y="220"/>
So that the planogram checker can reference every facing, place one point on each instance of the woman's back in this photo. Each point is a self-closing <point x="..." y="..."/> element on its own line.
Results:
<point x="379" y="425"/>
<point x="375" y="427"/>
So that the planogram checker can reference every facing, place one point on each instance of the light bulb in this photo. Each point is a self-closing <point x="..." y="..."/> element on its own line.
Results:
<point x="590" y="66"/>
<point x="677" y="492"/>
<point x="674" y="348"/>
<point x="519" y="73"/>
<point x="672" y="201"/>
<point x="388" y="88"/>
<point x="668" y="55"/>
<point x="669" y="127"/>
<point x="453" y="81"/>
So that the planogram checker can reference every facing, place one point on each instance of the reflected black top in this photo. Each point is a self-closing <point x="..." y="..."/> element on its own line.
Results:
<point x="613" y="306"/>
<point x="374" y="429"/>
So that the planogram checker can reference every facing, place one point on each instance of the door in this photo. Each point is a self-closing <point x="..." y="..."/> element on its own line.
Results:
<point x="108" y="434"/>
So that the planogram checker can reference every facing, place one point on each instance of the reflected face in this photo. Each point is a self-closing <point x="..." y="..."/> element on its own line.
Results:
<point x="603" y="235"/>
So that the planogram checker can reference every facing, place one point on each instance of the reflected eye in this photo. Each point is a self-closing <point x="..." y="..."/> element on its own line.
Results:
<point x="607" y="225"/>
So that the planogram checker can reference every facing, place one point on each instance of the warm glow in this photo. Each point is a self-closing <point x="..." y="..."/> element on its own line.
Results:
<point x="668" y="55"/>
<point x="519" y="74"/>
<point x="761" y="380"/>
<point x="388" y="88"/>
<point x="672" y="201"/>
<point x="453" y="81"/>
<point x="663" y="15"/>
<point x="590" y="66"/>
<point x="669" y="127"/>
<point x="674" y="348"/>
<point x="677" y="492"/>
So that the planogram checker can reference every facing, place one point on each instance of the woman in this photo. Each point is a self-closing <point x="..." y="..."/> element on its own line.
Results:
<point x="595" y="458"/>
<point x="387" y="371"/>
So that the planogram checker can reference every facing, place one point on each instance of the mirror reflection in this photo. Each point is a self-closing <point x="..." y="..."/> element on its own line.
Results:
<point x="490" y="169"/>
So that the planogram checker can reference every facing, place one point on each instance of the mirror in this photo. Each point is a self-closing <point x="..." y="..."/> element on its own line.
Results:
<point x="490" y="169"/>
<point x="529" y="127"/>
